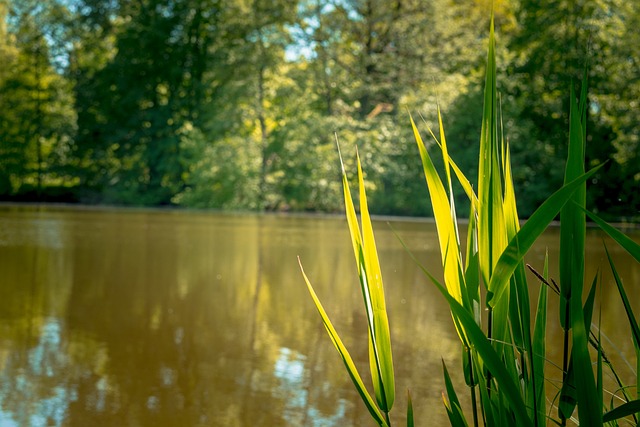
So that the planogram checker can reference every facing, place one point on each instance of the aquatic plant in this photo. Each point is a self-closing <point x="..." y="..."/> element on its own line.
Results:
<point x="504" y="357"/>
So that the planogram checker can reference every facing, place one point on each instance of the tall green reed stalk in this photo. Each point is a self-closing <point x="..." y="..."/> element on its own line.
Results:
<point x="504" y="364"/>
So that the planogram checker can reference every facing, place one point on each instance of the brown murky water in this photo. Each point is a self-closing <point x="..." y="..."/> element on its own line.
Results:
<point x="169" y="318"/>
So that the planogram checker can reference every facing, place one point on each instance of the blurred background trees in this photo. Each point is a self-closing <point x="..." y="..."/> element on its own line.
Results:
<point x="233" y="104"/>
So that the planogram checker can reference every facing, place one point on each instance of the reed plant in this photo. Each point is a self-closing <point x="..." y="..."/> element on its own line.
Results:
<point x="504" y="355"/>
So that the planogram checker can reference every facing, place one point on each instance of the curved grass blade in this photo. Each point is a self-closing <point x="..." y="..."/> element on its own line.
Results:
<point x="635" y="330"/>
<point x="634" y="250"/>
<point x="466" y="185"/>
<point x="462" y="178"/>
<point x="622" y="239"/>
<point x="530" y="231"/>
<point x="622" y="411"/>
<point x="344" y="354"/>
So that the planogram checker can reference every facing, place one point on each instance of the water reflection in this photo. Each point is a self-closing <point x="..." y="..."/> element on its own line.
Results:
<point x="173" y="318"/>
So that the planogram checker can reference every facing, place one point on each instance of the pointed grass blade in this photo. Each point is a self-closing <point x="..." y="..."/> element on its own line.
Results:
<point x="381" y="360"/>
<point x="466" y="185"/>
<point x="635" y="330"/>
<point x="622" y="411"/>
<point x="568" y="399"/>
<point x="410" y="422"/>
<point x="589" y="407"/>
<point x="350" y="211"/>
<point x="462" y="178"/>
<point x="464" y="181"/>
<point x="452" y="396"/>
<point x="622" y="239"/>
<point x="491" y="230"/>
<point x="344" y="354"/>
<point x="569" y="396"/>
<point x="530" y="231"/>
<point x="447" y="235"/>
<point x="356" y="240"/>
<point x="572" y="218"/>
<point x="451" y="402"/>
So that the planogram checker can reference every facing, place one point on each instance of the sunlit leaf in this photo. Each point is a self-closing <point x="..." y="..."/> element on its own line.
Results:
<point x="491" y="230"/>
<point x="446" y="226"/>
<point x="380" y="341"/>
<point x="344" y="354"/>
<point x="494" y="363"/>
<point x="530" y="231"/>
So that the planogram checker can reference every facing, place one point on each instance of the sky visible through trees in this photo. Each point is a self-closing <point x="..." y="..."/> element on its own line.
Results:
<point x="233" y="104"/>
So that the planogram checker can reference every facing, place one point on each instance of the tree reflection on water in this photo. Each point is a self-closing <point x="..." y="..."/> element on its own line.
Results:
<point x="162" y="318"/>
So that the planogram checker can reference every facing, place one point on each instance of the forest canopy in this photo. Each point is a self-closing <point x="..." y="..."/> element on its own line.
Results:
<point x="233" y="104"/>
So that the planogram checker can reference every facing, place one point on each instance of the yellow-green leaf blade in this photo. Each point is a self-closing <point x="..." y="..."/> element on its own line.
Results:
<point x="344" y="354"/>
<point x="380" y="340"/>
<point x="530" y="231"/>
<point x="444" y="223"/>
<point x="491" y="359"/>
<point x="350" y="211"/>
<point x="491" y="230"/>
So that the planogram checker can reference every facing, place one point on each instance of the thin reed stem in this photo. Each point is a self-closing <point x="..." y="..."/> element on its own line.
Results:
<point x="565" y="355"/>
<point x="489" y="336"/>
<point x="595" y="343"/>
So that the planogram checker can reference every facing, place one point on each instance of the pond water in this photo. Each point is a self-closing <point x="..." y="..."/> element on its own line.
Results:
<point x="171" y="318"/>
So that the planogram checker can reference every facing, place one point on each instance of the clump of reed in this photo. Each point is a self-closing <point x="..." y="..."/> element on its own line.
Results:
<point x="504" y="357"/>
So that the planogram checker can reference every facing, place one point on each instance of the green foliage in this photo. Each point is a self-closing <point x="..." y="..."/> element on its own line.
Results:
<point x="380" y="358"/>
<point x="220" y="174"/>
<point x="37" y="118"/>
<point x="504" y="359"/>
<point x="118" y="82"/>
<point x="602" y="37"/>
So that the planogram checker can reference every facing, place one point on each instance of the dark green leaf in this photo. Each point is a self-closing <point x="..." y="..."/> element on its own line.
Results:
<point x="621" y="411"/>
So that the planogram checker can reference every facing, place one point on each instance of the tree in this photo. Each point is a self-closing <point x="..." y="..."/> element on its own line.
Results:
<point x="556" y="42"/>
<point x="37" y="121"/>
<point x="136" y="100"/>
